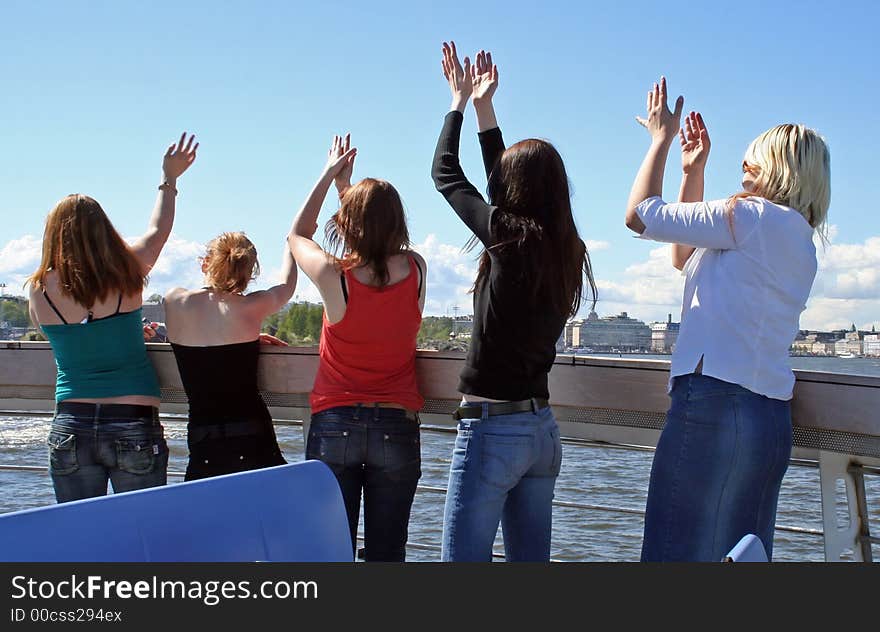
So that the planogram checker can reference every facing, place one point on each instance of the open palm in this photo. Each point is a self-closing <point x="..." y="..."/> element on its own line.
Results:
<point x="179" y="157"/>
<point x="484" y="77"/>
<point x="695" y="143"/>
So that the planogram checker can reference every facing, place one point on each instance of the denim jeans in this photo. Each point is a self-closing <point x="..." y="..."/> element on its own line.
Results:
<point x="717" y="471"/>
<point x="85" y="450"/>
<point x="375" y="451"/>
<point x="504" y="468"/>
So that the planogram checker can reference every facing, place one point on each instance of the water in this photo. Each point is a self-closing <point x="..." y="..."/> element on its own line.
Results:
<point x="590" y="475"/>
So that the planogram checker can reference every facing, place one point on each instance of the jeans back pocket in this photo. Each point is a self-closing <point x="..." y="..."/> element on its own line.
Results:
<point x="328" y="446"/>
<point x="136" y="456"/>
<point x="62" y="453"/>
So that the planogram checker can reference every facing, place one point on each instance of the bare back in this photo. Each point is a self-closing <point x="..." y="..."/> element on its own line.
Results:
<point x="204" y="318"/>
<point x="331" y="289"/>
<point x="42" y="313"/>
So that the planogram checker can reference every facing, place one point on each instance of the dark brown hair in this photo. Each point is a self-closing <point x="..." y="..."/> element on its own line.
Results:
<point x="87" y="253"/>
<point x="368" y="228"/>
<point x="230" y="262"/>
<point x="529" y="187"/>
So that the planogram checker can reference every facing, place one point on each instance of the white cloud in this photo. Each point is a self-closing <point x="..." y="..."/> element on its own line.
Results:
<point x="177" y="266"/>
<point x="846" y="289"/>
<point x="650" y="290"/>
<point x="595" y="244"/>
<point x="18" y="259"/>
<point x="451" y="273"/>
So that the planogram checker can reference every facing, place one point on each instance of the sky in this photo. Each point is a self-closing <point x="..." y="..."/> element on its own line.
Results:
<point x="93" y="92"/>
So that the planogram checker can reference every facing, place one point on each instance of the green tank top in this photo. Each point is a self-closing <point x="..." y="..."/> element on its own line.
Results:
<point x="102" y="358"/>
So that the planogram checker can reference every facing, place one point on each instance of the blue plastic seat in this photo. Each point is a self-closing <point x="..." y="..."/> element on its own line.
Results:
<point x="748" y="549"/>
<point x="289" y="513"/>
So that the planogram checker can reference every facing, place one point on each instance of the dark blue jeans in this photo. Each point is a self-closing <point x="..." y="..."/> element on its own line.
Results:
<point x="95" y="444"/>
<point x="504" y="469"/>
<point x="717" y="471"/>
<point x="375" y="451"/>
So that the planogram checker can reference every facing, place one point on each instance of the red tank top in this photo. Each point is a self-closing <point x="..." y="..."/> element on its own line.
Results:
<point x="370" y="355"/>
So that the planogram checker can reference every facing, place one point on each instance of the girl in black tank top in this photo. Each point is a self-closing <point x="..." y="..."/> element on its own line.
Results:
<point x="230" y="428"/>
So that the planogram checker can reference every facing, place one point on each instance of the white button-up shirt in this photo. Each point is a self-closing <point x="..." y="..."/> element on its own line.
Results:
<point x="745" y="287"/>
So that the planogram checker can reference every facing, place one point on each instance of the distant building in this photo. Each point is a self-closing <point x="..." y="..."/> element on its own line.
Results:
<point x="613" y="333"/>
<point x="462" y="326"/>
<point x="154" y="312"/>
<point x="664" y="336"/>
<point x="871" y="345"/>
<point x="571" y="335"/>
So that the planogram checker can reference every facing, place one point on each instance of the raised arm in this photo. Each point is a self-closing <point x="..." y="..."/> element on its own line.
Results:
<point x="267" y="302"/>
<point x="484" y="77"/>
<point x="446" y="171"/>
<point x="663" y="127"/>
<point x="695" y="147"/>
<point x="308" y="254"/>
<point x="177" y="160"/>
<point x="695" y="224"/>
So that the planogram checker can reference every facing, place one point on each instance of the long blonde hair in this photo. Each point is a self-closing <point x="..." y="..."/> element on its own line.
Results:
<point x="791" y="165"/>
<point x="230" y="262"/>
<point x="89" y="256"/>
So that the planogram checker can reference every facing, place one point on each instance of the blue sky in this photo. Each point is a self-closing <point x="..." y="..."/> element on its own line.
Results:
<point x="94" y="91"/>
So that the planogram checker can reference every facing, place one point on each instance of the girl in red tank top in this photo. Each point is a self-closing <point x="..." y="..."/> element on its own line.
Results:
<point x="365" y="400"/>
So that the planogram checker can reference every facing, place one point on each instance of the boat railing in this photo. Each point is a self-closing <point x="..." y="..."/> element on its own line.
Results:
<point x="608" y="402"/>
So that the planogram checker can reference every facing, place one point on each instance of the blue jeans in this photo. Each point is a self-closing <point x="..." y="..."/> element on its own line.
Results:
<point x="87" y="449"/>
<point x="504" y="469"/>
<point x="375" y="451"/>
<point x="717" y="471"/>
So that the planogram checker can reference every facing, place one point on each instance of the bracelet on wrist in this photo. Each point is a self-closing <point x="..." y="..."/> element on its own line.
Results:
<point x="167" y="186"/>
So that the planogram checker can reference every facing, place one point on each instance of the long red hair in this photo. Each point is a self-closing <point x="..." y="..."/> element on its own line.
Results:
<point x="83" y="248"/>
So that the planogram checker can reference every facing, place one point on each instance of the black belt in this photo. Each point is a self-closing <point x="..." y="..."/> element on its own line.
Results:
<point x="199" y="432"/>
<point x="474" y="410"/>
<point x="109" y="411"/>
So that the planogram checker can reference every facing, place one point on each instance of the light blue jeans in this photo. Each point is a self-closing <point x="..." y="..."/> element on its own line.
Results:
<point x="717" y="471"/>
<point x="504" y="469"/>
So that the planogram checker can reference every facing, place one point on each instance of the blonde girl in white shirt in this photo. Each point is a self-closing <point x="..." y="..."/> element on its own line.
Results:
<point x="749" y="262"/>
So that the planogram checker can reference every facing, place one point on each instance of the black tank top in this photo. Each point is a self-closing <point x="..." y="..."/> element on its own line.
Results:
<point x="221" y="382"/>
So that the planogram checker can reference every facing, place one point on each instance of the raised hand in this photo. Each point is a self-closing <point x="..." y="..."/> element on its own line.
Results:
<point x="340" y="158"/>
<point x="343" y="178"/>
<point x="694" y="143"/>
<point x="458" y="76"/>
<point x="662" y="124"/>
<point x="484" y="77"/>
<point x="179" y="157"/>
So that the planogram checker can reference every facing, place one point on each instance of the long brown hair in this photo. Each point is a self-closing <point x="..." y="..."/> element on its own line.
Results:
<point x="90" y="258"/>
<point x="368" y="228"/>
<point x="529" y="187"/>
<point x="230" y="262"/>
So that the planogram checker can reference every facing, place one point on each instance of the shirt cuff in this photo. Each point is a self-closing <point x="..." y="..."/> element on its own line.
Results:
<point x="647" y="210"/>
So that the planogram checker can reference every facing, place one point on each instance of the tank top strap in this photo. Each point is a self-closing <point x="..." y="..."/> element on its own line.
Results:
<point x="52" y="305"/>
<point x="416" y="270"/>
<point x="118" y="304"/>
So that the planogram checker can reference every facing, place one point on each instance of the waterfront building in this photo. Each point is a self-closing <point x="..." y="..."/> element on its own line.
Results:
<point x="571" y="335"/>
<point x="614" y="333"/>
<point x="664" y="336"/>
<point x="871" y="345"/>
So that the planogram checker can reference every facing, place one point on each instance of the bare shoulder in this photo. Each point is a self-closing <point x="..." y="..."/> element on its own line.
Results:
<point x="176" y="296"/>
<point x="419" y="259"/>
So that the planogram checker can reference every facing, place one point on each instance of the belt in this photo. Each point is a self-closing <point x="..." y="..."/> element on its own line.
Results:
<point x="200" y="432"/>
<point x="409" y="415"/>
<point x="475" y="410"/>
<point x="122" y="411"/>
